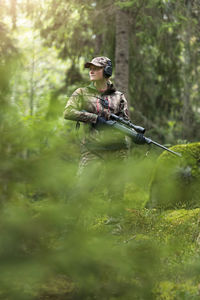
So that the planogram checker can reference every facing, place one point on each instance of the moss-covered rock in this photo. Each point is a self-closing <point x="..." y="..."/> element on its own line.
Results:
<point x="176" y="181"/>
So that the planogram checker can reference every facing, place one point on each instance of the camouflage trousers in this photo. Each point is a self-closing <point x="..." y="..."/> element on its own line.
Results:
<point x="89" y="158"/>
<point x="104" y="172"/>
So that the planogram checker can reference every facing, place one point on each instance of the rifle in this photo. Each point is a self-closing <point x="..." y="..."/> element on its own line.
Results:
<point x="130" y="129"/>
<point x="134" y="131"/>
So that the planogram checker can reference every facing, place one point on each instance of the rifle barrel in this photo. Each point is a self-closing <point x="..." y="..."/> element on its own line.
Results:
<point x="163" y="147"/>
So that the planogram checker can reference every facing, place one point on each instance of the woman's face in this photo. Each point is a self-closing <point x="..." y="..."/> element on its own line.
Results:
<point x="96" y="73"/>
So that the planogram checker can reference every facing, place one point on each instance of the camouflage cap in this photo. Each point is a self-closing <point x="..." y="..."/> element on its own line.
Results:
<point x="100" y="61"/>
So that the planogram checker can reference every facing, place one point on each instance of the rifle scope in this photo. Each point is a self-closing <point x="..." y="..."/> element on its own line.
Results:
<point x="139" y="129"/>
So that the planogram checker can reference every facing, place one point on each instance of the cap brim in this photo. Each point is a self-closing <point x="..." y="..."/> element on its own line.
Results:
<point x="88" y="64"/>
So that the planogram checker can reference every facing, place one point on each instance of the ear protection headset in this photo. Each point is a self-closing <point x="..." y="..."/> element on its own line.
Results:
<point x="107" y="71"/>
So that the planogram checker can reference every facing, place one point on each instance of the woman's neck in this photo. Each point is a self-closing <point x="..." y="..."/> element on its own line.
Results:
<point x="101" y="85"/>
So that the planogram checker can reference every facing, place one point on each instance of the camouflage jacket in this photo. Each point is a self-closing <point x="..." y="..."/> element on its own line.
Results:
<point x="86" y="104"/>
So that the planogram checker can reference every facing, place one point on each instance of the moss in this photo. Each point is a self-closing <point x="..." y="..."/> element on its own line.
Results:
<point x="168" y="290"/>
<point x="162" y="227"/>
<point x="181" y="216"/>
<point x="176" y="181"/>
<point x="58" y="287"/>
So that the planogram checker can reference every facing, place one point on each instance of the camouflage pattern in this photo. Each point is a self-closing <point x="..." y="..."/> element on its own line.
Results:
<point x="85" y="106"/>
<point x="99" y="159"/>
<point x="101" y="61"/>
<point x="102" y="174"/>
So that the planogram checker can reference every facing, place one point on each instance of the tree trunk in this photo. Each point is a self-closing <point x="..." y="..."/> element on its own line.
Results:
<point x="98" y="45"/>
<point x="122" y="51"/>
<point x="187" y="114"/>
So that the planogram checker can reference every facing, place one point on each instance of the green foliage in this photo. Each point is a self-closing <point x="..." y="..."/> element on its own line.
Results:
<point x="136" y="193"/>
<point x="62" y="26"/>
<point x="51" y="243"/>
<point x="57" y="241"/>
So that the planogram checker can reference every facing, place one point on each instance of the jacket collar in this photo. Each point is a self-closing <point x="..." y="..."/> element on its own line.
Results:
<point x="110" y="90"/>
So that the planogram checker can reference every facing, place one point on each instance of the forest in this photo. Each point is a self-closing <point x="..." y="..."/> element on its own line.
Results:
<point x="62" y="238"/>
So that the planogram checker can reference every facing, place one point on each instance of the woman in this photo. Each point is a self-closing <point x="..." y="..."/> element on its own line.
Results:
<point x="101" y="145"/>
<point x="93" y="104"/>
